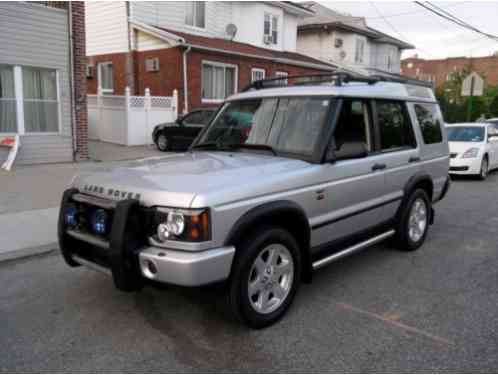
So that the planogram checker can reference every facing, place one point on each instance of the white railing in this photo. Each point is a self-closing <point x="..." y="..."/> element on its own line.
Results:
<point x="129" y="120"/>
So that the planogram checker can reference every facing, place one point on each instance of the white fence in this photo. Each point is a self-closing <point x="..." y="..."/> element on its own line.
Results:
<point x="129" y="120"/>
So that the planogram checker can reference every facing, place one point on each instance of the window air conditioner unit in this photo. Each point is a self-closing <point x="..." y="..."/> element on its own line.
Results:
<point x="152" y="65"/>
<point x="89" y="71"/>
<point x="267" y="39"/>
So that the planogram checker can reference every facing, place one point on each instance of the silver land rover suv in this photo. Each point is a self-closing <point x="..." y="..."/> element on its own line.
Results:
<point x="287" y="178"/>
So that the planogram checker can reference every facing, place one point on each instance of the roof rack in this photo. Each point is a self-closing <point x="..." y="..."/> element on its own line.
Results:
<point x="337" y="78"/>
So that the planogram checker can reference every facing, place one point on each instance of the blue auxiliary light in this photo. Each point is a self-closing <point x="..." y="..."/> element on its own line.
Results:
<point x="70" y="216"/>
<point x="99" y="221"/>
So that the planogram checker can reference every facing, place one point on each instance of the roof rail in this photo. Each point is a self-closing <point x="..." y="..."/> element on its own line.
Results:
<point x="337" y="78"/>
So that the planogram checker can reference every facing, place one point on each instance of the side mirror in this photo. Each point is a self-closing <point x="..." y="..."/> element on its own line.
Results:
<point x="350" y="150"/>
<point x="179" y="119"/>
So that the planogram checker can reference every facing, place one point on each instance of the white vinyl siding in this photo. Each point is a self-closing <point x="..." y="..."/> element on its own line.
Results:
<point x="257" y="74"/>
<point x="218" y="81"/>
<point x="106" y="27"/>
<point x="34" y="36"/>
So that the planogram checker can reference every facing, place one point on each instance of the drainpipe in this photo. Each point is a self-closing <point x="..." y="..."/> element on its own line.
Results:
<point x="74" y="133"/>
<point x="185" y="81"/>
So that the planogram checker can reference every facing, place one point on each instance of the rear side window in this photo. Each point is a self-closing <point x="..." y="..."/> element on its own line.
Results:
<point x="394" y="126"/>
<point x="429" y="120"/>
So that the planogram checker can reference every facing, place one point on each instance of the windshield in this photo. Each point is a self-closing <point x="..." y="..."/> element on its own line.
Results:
<point x="465" y="133"/>
<point x="287" y="125"/>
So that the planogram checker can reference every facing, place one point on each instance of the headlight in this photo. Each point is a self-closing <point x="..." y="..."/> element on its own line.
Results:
<point x="182" y="225"/>
<point x="471" y="153"/>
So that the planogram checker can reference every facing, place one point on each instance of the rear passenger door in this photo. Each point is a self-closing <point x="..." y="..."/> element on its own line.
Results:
<point x="396" y="147"/>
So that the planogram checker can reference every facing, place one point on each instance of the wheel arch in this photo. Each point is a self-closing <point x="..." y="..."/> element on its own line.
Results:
<point x="418" y="180"/>
<point x="286" y="214"/>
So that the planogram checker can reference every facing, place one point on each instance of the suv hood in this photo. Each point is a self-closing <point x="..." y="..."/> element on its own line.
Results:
<point x="177" y="179"/>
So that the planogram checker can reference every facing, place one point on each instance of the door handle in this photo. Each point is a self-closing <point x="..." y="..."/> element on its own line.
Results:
<point x="413" y="159"/>
<point x="378" y="167"/>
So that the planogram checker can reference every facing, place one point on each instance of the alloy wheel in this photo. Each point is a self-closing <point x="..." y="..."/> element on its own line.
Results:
<point x="417" y="221"/>
<point x="270" y="278"/>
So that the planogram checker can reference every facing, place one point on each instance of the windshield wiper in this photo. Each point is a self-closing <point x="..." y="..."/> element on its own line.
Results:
<point x="252" y="146"/>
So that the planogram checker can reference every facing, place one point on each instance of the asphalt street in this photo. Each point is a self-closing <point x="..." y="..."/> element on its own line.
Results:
<point x="433" y="310"/>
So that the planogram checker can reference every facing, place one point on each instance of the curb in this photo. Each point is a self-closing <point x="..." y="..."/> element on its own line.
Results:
<point x="28" y="252"/>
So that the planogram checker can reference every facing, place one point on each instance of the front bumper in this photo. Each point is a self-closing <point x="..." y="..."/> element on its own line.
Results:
<point x="186" y="268"/>
<point x="125" y="254"/>
<point x="465" y="166"/>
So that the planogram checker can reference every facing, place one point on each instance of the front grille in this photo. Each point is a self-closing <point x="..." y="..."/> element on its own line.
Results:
<point x="453" y="155"/>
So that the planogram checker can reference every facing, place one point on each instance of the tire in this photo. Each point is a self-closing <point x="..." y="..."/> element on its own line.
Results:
<point x="263" y="306"/>
<point x="162" y="142"/>
<point x="410" y="236"/>
<point x="484" y="169"/>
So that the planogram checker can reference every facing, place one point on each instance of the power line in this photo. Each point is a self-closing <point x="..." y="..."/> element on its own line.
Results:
<point x="410" y="13"/>
<point x="450" y="17"/>
<point x="396" y="30"/>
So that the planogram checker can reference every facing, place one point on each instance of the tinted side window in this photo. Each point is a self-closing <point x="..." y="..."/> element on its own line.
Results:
<point x="195" y="118"/>
<point x="430" y="124"/>
<point x="394" y="125"/>
<point x="353" y="126"/>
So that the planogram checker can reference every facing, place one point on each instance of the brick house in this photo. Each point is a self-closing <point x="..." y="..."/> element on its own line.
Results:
<point x="439" y="71"/>
<point x="185" y="46"/>
<point x="42" y="80"/>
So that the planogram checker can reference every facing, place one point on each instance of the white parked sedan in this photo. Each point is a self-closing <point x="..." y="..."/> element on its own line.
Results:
<point x="473" y="148"/>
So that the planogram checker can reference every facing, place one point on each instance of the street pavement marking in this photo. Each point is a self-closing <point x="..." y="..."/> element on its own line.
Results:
<point x="395" y="323"/>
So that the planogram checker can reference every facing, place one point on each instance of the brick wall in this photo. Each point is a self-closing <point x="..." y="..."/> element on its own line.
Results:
<point x="440" y="69"/>
<point x="79" y="80"/>
<point x="170" y="75"/>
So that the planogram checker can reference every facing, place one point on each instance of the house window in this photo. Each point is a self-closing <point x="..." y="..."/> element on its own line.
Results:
<point x="284" y="75"/>
<point x="218" y="81"/>
<point x="257" y="74"/>
<point x="106" y="77"/>
<point x="40" y="102"/>
<point x="270" y="29"/>
<point x="360" y="51"/>
<point x="195" y="14"/>
<point x="8" y="113"/>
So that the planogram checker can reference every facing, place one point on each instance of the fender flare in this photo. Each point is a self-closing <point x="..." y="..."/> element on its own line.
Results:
<point x="409" y="187"/>
<point x="283" y="209"/>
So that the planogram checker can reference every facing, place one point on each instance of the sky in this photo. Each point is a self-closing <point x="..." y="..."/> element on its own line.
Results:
<point x="433" y="36"/>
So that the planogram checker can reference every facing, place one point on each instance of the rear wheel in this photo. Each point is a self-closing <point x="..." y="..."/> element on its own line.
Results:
<point x="484" y="169"/>
<point x="414" y="221"/>
<point x="265" y="277"/>
<point x="162" y="143"/>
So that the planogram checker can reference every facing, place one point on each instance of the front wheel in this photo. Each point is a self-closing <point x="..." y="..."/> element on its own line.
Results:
<point x="414" y="221"/>
<point x="483" y="174"/>
<point x="162" y="142"/>
<point x="265" y="277"/>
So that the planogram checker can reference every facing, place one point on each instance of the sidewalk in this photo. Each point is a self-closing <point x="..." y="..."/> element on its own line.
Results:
<point x="30" y="197"/>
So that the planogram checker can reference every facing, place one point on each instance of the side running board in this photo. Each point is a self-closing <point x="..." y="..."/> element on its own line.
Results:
<point x="352" y="249"/>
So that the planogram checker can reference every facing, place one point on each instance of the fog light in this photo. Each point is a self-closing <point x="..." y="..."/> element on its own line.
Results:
<point x="70" y="216"/>
<point x="151" y="267"/>
<point x="99" y="222"/>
